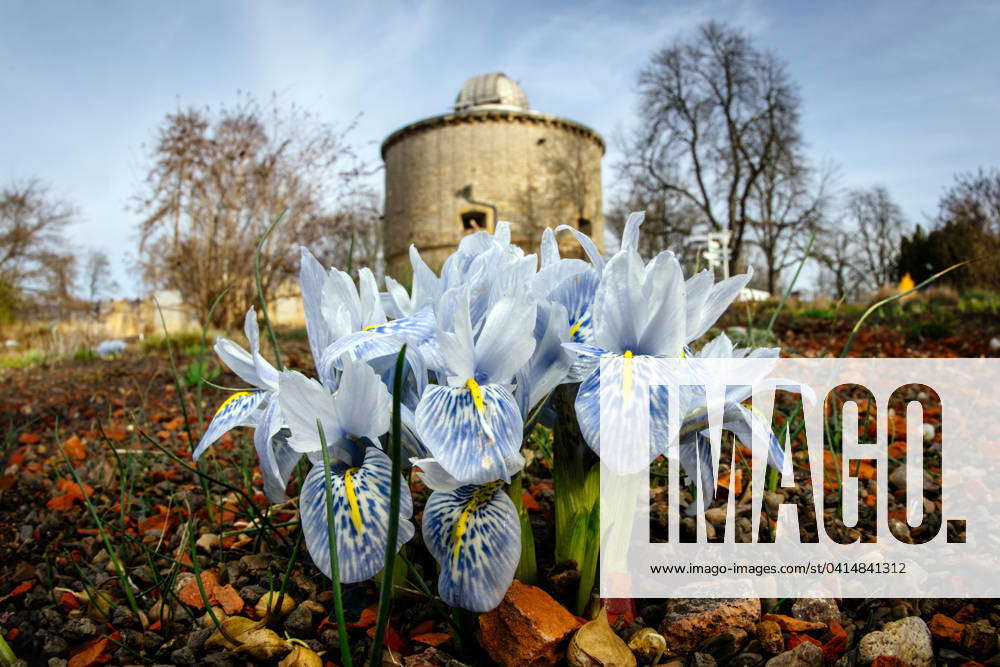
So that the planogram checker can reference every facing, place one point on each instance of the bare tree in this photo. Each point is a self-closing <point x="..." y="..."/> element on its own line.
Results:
<point x="35" y="267"/>
<point x="715" y="112"/>
<point x="98" y="283"/>
<point x="837" y="252"/>
<point x="218" y="179"/>
<point x="974" y="200"/>
<point x="880" y="226"/>
<point x="787" y="206"/>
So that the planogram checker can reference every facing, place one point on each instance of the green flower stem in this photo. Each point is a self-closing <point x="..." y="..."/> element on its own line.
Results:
<point x="527" y="568"/>
<point x="331" y="528"/>
<point x="395" y="453"/>
<point x="7" y="656"/>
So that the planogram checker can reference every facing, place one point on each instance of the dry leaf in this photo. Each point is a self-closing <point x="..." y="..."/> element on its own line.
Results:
<point x="301" y="656"/>
<point x="596" y="645"/>
<point x="431" y="638"/>
<point x="75" y="449"/>
<point x="237" y="628"/>
<point x="648" y="644"/>
<point x="89" y="654"/>
<point x="264" y="645"/>
<point x="278" y="605"/>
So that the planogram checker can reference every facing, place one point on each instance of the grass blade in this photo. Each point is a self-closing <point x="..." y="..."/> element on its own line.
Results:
<point x="331" y="528"/>
<point x="123" y="579"/>
<point x="260" y="290"/>
<point x="395" y="453"/>
<point x="791" y="285"/>
<point x="875" y="306"/>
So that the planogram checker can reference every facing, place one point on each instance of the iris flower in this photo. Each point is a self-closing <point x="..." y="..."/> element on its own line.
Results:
<point x="474" y="533"/>
<point x="471" y="422"/>
<point x="695" y="451"/>
<point x="352" y="420"/>
<point x="258" y="409"/>
<point x="649" y="310"/>
<point x="342" y="318"/>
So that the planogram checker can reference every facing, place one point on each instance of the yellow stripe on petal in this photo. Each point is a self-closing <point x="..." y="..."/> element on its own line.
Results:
<point x="352" y="500"/>
<point x="627" y="374"/>
<point x="482" y="496"/>
<point x="575" y="328"/>
<point x="232" y="398"/>
<point x="370" y="327"/>
<point x="477" y="394"/>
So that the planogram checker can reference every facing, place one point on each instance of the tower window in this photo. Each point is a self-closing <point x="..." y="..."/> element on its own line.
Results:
<point x="583" y="224"/>
<point x="473" y="221"/>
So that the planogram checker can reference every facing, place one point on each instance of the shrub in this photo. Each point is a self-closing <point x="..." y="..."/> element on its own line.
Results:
<point x="181" y="340"/>
<point x="84" y="354"/>
<point x="818" y="313"/>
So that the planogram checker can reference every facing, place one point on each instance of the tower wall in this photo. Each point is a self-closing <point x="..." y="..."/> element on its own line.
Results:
<point x="536" y="170"/>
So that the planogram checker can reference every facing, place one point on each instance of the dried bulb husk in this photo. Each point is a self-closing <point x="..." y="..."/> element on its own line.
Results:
<point x="595" y="644"/>
<point x="648" y="645"/>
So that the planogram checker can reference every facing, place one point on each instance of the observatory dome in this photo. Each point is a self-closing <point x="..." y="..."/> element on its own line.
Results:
<point x="491" y="91"/>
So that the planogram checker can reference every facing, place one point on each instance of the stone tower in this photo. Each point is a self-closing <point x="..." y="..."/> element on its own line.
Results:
<point x="493" y="158"/>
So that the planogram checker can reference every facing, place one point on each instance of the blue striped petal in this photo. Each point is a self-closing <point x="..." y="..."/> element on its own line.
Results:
<point x="472" y="447"/>
<point x="267" y="428"/>
<point x="240" y="409"/>
<point x="361" y="515"/>
<point x="474" y="534"/>
<point x="588" y="404"/>
<point x="285" y="459"/>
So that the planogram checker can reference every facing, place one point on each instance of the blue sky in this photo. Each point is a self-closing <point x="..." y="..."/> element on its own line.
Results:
<point x="902" y="94"/>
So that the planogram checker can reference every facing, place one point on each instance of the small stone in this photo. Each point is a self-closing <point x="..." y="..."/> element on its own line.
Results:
<point x="79" y="628"/>
<point x="929" y="432"/>
<point x="900" y="530"/>
<point x="253" y="564"/>
<point x="299" y="623"/>
<point x="208" y="541"/>
<point x="183" y="656"/>
<point x="527" y="628"/>
<point x="747" y="660"/>
<point x="223" y="659"/>
<point x="773" y="500"/>
<point x="907" y="639"/>
<point x="688" y="621"/>
<point x="55" y="645"/>
<point x="805" y="654"/>
<point x="251" y="594"/>
<point x="980" y="638"/>
<point x="951" y="655"/>
<point x="123" y="618"/>
<point x="819" y="610"/>
<point x="431" y="657"/>
<point x="770" y="637"/>
<point x="701" y="660"/>
<point x="57" y="662"/>
<point x="197" y="639"/>
<point x="716" y="515"/>
<point x="946" y="628"/>
<point x="726" y="644"/>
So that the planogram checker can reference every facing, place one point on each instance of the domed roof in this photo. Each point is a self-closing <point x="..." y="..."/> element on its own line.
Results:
<point x="491" y="91"/>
